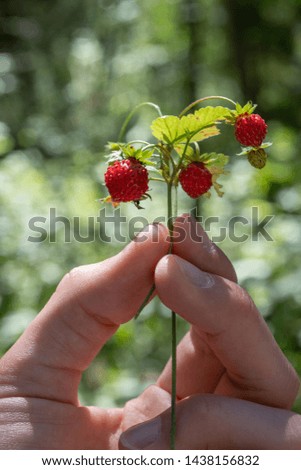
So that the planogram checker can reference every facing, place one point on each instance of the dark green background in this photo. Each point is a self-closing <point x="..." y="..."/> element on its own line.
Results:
<point x="70" y="71"/>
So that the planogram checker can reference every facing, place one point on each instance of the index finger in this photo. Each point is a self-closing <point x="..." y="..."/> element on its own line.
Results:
<point x="225" y="318"/>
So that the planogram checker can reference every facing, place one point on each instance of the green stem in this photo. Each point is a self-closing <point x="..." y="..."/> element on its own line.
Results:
<point x="169" y="224"/>
<point x="183" y="155"/>
<point x="146" y="300"/>
<point x="157" y="179"/>
<point x="191" y="105"/>
<point x="131" y="114"/>
<point x="173" y="380"/>
<point x="169" y="212"/>
<point x="139" y="142"/>
<point x="173" y="330"/>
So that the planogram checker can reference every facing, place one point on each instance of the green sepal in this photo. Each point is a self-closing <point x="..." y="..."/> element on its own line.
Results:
<point x="216" y="173"/>
<point x="218" y="188"/>
<point x="114" y="146"/>
<point x="151" y="167"/>
<point x="143" y="156"/>
<point x="216" y="162"/>
<point x="115" y="152"/>
<point x="143" y="198"/>
<point x="209" y="159"/>
<point x="247" y="108"/>
<point x="114" y="156"/>
<point x="265" y="145"/>
<point x="246" y="150"/>
<point x="120" y="151"/>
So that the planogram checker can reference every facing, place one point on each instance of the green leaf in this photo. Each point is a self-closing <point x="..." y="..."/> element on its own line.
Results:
<point x="190" y="152"/>
<point x="205" y="134"/>
<point x="193" y="130"/>
<point x="192" y="127"/>
<point x="166" y="128"/>
<point x="212" y="114"/>
<point x="214" y="159"/>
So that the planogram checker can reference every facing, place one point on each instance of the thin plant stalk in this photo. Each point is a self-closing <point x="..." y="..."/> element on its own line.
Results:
<point x="146" y="300"/>
<point x="170" y="214"/>
<point x="206" y="98"/>
<point x="131" y="114"/>
<point x="173" y="424"/>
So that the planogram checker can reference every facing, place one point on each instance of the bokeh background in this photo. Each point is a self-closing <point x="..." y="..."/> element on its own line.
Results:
<point x="70" y="71"/>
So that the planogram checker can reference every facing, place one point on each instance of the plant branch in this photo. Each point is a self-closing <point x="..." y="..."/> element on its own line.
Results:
<point x="191" y="105"/>
<point x="183" y="155"/>
<point x="131" y="114"/>
<point x="157" y="179"/>
<point x="146" y="300"/>
<point x="173" y="330"/>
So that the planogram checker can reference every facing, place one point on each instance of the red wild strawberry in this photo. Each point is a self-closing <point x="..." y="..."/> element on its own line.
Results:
<point x="195" y="179"/>
<point x="126" y="180"/>
<point x="250" y="130"/>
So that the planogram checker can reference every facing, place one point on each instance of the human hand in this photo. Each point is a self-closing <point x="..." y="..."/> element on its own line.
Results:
<point x="39" y="376"/>
<point x="240" y="385"/>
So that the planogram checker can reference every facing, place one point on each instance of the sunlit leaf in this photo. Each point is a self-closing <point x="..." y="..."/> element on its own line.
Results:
<point x="192" y="130"/>
<point x="211" y="115"/>
<point x="214" y="159"/>
<point x="189" y="150"/>
<point x="192" y="127"/>
<point x="166" y="128"/>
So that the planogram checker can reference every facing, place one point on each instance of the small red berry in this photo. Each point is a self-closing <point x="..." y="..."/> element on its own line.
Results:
<point x="195" y="179"/>
<point x="126" y="180"/>
<point x="250" y="130"/>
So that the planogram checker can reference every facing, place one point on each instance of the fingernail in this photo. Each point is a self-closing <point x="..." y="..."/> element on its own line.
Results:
<point x="195" y="275"/>
<point x="141" y="436"/>
<point x="196" y="232"/>
<point x="199" y="234"/>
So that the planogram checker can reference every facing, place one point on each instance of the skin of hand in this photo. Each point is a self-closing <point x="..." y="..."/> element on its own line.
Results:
<point x="235" y="387"/>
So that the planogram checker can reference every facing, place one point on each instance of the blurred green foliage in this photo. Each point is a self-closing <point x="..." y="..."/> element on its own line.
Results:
<point x="69" y="74"/>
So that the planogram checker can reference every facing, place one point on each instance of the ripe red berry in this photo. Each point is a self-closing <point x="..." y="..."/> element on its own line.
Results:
<point x="126" y="180"/>
<point x="195" y="179"/>
<point x="250" y="130"/>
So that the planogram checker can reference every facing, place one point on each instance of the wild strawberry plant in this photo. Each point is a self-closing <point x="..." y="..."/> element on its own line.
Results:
<point x="176" y="157"/>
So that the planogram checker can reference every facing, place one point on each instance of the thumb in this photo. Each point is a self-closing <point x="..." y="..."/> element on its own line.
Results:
<point x="85" y="311"/>
<point x="216" y="422"/>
